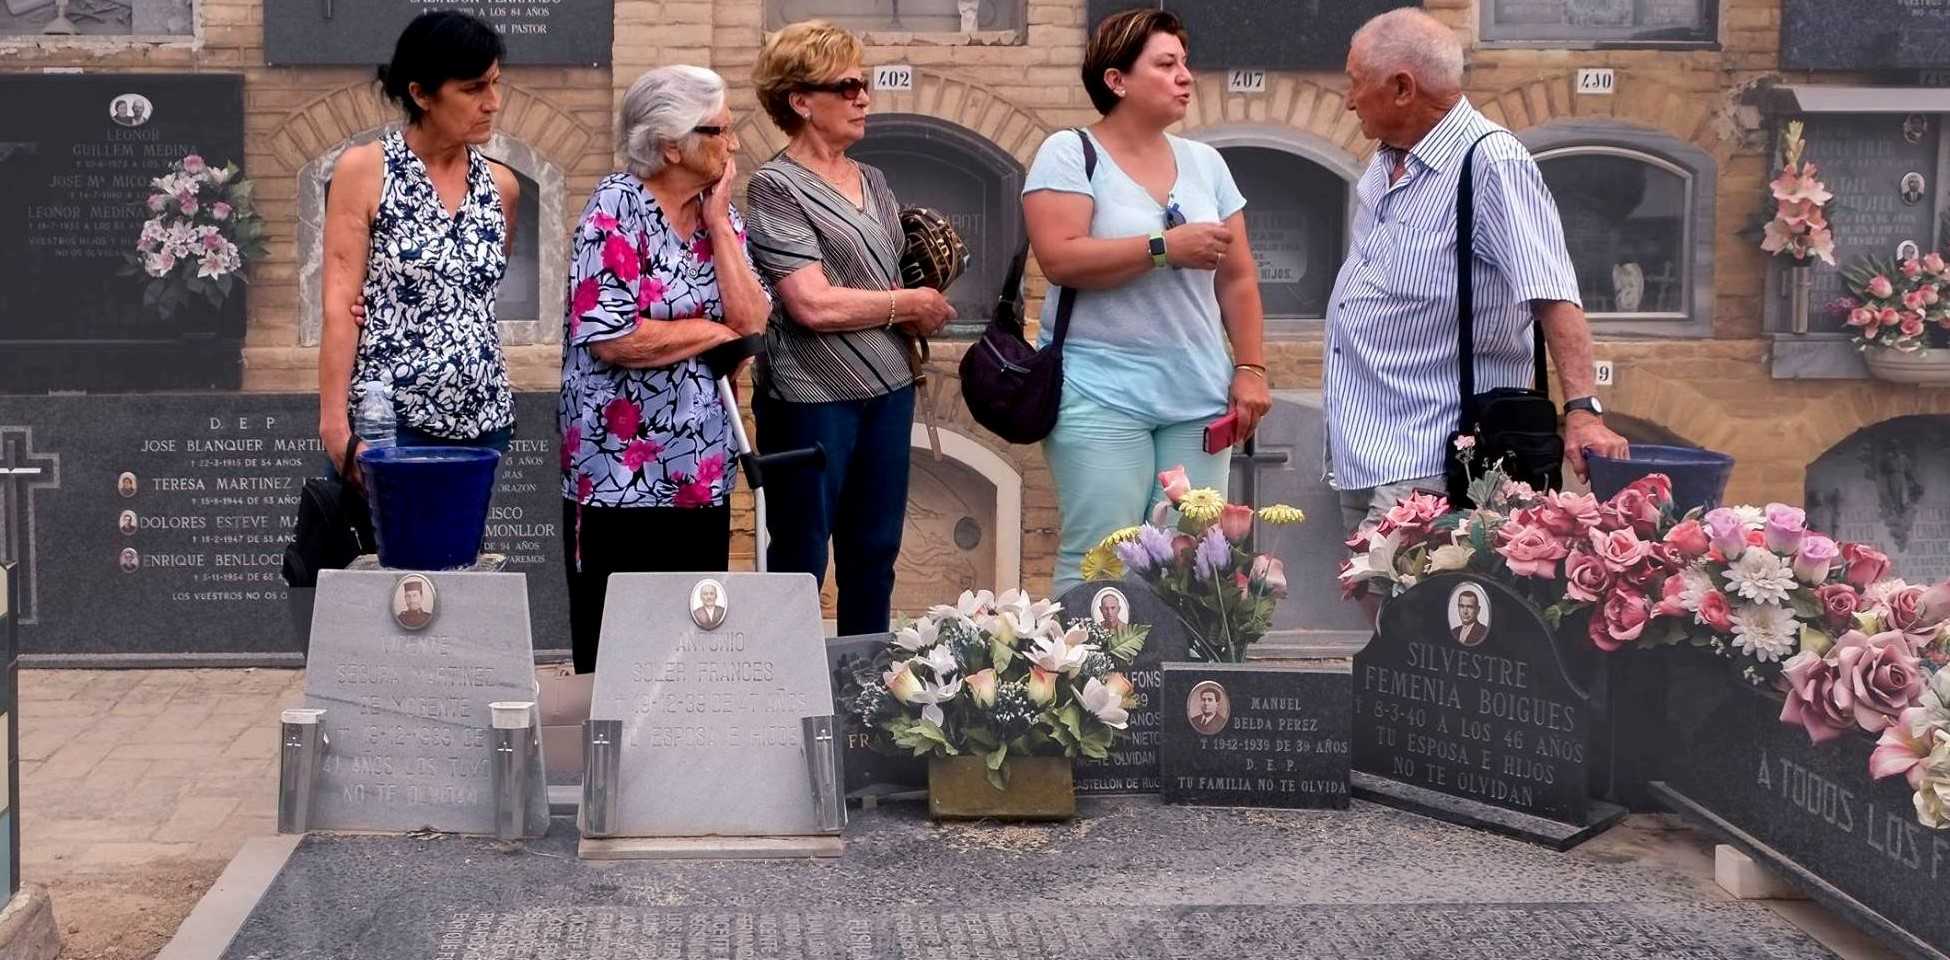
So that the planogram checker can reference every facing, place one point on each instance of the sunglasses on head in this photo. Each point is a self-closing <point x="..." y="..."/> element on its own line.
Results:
<point x="850" y="88"/>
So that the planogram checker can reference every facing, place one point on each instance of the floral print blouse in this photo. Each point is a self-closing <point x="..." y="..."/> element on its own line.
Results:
<point x="640" y="437"/>
<point x="430" y="279"/>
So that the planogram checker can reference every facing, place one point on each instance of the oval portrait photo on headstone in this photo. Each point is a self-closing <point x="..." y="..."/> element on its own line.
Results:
<point x="131" y="110"/>
<point x="130" y="560"/>
<point x="708" y="604"/>
<point x="1469" y="614"/>
<point x="1110" y="609"/>
<point x="126" y="523"/>
<point x="414" y="602"/>
<point x="125" y="484"/>
<point x="1208" y="707"/>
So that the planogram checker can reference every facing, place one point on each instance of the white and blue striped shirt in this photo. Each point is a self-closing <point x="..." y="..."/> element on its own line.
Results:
<point x="1390" y="379"/>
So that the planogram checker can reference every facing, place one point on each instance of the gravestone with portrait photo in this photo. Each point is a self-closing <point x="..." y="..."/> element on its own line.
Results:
<point x="869" y="773"/>
<point x="711" y="676"/>
<point x="405" y="667"/>
<point x="1120" y="605"/>
<point x="78" y="161"/>
<point x="1257" y="734"/>
<point x="1467" y="709"/>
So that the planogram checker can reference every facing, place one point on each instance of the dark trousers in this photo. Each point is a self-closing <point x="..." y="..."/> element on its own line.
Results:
<point x="633" y="540"/>
<point x="858" y="503"/>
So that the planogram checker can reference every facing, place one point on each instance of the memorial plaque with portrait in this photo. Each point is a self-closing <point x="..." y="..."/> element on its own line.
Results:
<point x="1462" y="693"/>
<point x="1296" y="219"/>
<point x="1290" y="35"/>
<point x="78" y="157"/>
<point x="1607" y="23"/>
<point x="1119" y="605"/>
<point x="1881" y="168"/>
<point x="1257" y="734"/>
<point x="556" y="32"/>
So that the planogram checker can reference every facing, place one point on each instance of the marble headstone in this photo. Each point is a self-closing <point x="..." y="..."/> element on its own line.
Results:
<point x="76" y="165"/>
<point x="867" y="772"/>
<point x="712" y="744"/>
<point x="566" y="32"/>
<point x="1864" y="159"/>
<point x="1474" y="706"/>
<point x="406" y="707"/>
<point x="1884" y="486"/>
<point x="1877" y="35"/>
<point x="1291" y="35"/>
<point x="1257" y="734"/>
<point x="1132" y="766"/>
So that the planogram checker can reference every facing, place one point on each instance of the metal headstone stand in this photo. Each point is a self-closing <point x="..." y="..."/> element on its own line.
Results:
<point x="823" y="767"/>
<point x="304" y="746"/>
<point x="602" y="749"/>
<point x="516" y="744"/>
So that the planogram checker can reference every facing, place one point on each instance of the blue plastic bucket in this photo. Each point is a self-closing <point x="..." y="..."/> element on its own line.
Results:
<point x="1699" y="477"/>
<point x="429" y="504"/>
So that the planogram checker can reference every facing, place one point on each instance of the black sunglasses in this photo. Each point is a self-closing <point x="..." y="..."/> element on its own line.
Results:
<point x="850" y="88"/>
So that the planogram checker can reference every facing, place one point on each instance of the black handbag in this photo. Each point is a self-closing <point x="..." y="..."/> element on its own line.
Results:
<point x="1515" y="425"/>
<point x="334" y="527"/>
<point x="1013" y="389"/>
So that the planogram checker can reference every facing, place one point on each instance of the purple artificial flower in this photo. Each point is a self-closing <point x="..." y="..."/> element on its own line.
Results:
<point x="1136" y="558"/>
<point x="1156" y="542"/>
<point x="1214" y="554"/>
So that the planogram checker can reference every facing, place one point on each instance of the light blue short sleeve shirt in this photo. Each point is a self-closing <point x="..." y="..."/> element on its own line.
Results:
<point x="1153" y="348"/>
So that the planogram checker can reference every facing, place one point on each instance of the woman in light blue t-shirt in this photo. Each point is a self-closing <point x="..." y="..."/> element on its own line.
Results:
<point x="1155" y="244"/>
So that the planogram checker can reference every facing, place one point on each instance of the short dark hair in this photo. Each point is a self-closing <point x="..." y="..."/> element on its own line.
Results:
<point x="435" y="48"/>
<point x="412" y="586"/>
<point x="1116" y="45"/>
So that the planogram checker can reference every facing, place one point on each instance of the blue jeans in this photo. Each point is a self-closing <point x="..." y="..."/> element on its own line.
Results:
<point x="859" y="502"/>
<point x="409" y="437"/>
<point x="1106" y="465"/>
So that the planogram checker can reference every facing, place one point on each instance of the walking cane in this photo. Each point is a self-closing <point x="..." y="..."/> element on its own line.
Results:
<point x="723" y="360"/>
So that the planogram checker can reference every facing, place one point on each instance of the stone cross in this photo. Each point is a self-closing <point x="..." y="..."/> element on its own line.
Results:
<point x="22" y="474"/>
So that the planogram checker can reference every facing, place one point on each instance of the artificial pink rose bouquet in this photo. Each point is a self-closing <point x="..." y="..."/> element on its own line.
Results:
<point x="1898" y="305"/>
<point x="201" y="230"/>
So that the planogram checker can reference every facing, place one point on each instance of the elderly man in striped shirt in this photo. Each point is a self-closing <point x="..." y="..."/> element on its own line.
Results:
<point x="1391" y="386"/>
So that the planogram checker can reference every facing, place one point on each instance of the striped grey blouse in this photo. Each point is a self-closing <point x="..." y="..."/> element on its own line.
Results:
<point x="795" y="218"/>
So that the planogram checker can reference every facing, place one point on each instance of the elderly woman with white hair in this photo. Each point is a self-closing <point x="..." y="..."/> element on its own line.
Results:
<point x="659" y="275"/>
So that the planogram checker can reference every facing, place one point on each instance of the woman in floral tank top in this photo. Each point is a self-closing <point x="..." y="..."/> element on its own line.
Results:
<point x="417" y="227"/>
<point x="658" y="275"/>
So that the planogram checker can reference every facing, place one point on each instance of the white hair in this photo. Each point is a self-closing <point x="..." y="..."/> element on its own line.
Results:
<point x="661" y="109"/>
<point x="1408" y="40"/>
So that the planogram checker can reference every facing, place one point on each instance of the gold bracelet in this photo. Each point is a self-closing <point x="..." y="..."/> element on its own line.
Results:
<point x="1254" y="368"/>
<point x="890" y="308"/>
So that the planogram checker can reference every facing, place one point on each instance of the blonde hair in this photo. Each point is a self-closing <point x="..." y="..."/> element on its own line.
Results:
<point x="811" y="51"/>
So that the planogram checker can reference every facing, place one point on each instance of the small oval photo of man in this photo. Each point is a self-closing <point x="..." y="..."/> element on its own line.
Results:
<point x="1111" y="609"/>
<point x="708" y="604"/>
<point x="1208" y="707"/>
<point x="126" y="523"/>
<point x="130" y="560"/>
<point x="413" y="602"/>
<point x="1469" y="615"/>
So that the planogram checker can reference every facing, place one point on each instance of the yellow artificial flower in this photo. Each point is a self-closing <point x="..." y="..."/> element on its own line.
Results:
<point x="1281" y="515"/>
<point x="1102" y="563"/>
<point x="1125" y="535"/>
<point x="1202" y="506"/>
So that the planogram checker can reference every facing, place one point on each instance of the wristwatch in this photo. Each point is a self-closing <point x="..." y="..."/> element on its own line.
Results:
<point x="1589" y="405"/>
<point x="1157" y="247"/>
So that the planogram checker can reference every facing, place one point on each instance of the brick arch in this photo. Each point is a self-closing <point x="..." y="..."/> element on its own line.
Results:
<point x="345" y="113"/>
<point x="1641" y="100"/>
<point x="1292" y="102"/>
<point x="973" y="106"/>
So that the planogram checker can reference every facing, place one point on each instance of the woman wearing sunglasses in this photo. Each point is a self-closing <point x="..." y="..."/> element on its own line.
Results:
<point x="1155" y="244"/>
<point x="658" y="275"/>
<point x="826" y="232"/>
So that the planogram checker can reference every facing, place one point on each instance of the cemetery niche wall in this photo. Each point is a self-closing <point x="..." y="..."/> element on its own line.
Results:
<point x="968" y="178"/>
<point x="918" y="16"/>
<point x="1877" y="35"/>
<point x="136" y="19"/>
<point x="1602" y="23"/>
<point x="1885" y="485"/>
<point x="77" y="161"/>
<point x="1296" y="219"/>
<point x="1294" y="35"/>
<point x="559" y="32"/>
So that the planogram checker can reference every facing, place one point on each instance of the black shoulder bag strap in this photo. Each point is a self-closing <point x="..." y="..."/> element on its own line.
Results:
<point x="1466" y="296"/>
<point x="1066" y="298"/>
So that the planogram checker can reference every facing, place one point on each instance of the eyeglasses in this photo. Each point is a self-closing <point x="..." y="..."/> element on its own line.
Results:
<point x="1174" y="215"/>
<point x="850" y="88"/>
<point x="710" y="130"/>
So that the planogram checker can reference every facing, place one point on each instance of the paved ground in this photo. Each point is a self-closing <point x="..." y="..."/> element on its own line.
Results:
<point x="136" y="787"/>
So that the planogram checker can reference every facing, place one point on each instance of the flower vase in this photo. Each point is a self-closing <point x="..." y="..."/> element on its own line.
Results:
<point x="1801" y="288"/>
<point x="1923" y="368"/>
<point x="1038" y="788"/>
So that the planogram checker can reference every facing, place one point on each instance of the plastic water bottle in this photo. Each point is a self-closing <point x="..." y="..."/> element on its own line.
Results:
<point x="373" y="420"/>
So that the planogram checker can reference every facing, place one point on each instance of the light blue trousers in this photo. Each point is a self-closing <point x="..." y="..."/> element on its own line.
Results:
<point x="1106" y="464"/>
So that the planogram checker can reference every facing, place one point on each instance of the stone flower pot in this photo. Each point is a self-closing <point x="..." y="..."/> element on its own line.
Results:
<point x="1040" y="788"/>
<point x="1923" y="368"/>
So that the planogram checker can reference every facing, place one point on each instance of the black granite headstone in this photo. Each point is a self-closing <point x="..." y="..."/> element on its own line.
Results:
<point x="1608" y="22"/>
<point x="73" y="182"/>
<point x="1132" y="766"/>
<point x="1463" y="693"/>
<point x="868" y="772"/>
<point x="1863" y="159"/>
<point x="1809" y="809"/>
<point x="968" y="179"/>
<point x="566" y="32"/>
<point x="1293" y="35"/>
<point x="1257" y="734"/>
<point x="1864" y="35"/>
<point x="1884" y="486"/>
<point x="158" y="525"/>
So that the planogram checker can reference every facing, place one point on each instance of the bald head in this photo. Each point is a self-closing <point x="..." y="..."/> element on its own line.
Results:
<point x="1409" y="41"/>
